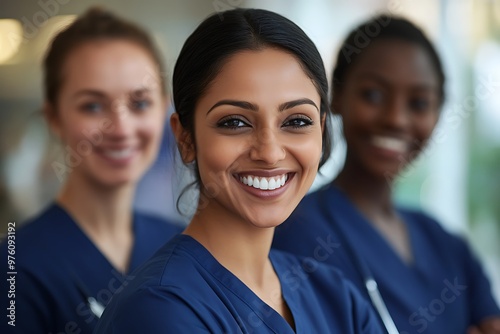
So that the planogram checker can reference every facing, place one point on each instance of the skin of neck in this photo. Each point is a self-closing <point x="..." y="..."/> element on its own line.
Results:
<point x="97" y="209"/>
<point x="371" y="193"/>
<point x="239" y="246"/>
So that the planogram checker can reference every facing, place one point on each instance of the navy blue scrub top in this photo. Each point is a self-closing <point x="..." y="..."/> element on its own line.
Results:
<point x="58" y="268"/>
<point x="443" y="291"/>
<point x="184" y="289"/>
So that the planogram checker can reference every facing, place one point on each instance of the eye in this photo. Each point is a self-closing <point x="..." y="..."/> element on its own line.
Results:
<point x="374" y="96"/>
<point x="92" y="107"/>
<point x="298" y="121"/>
<point x="419" y="104"/>
<point x="232" y="122"/>
<point x="140" y="105"/>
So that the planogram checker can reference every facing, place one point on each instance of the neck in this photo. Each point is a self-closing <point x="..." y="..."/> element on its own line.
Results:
<point x="372" y="194"/>
<point x="239" y="246"/>
<point x="98" y="210"/>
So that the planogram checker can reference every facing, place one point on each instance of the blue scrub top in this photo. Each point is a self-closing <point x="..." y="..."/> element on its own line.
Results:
<point x="183" y="289"/>
<point x="58" y="268"/>
<point x="444" y="290"/>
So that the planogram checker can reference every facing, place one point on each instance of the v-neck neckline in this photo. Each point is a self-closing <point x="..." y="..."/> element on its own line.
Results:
<point x="355" y="216"/>
<point x="240" y="289"/>
<point x="86" y="239"/>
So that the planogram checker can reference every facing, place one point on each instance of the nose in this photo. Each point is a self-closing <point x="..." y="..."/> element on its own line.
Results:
<point x="396" y="114"/>
<point x="121" y="121"/>
<point x="267" y="147"/>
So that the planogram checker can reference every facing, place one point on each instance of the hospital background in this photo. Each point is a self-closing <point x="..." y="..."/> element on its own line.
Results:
<point x="456" y="179"/>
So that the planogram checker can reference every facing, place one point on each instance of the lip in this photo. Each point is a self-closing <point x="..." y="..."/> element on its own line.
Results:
<point x="267" y="194"/>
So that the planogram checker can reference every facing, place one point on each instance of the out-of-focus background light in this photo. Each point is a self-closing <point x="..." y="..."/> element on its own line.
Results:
<point x="10" y="30"/>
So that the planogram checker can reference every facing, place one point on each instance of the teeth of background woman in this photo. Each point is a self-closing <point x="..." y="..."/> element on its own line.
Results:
<point x="118" y="154"/>
<point x="392" y="144"/>
<point x="264" y="183"/>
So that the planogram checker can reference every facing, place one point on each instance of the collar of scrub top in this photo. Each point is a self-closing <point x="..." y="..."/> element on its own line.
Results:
<point x="96" y="307"/>
<point x="365" y="272"/>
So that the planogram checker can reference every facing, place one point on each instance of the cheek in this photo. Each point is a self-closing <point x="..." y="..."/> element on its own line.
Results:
<point x="425" y="127"/>
<point x="74" y="130"/>
<point x="151" y="129"/>
<point x="217" y="158"/>
<point x="307" y="151"/>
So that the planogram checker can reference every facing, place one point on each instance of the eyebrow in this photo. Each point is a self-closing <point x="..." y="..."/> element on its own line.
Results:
<point x="295" y="103"/>
<point x="253" y="107"/>
<point x="383" y="82"/>
<point x="92" y="92"/>
<point x="100" y="94"/>
<point x="140" y="91"/>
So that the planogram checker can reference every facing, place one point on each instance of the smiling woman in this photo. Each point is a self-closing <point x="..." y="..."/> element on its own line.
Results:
<point x="105" y="100"/>
<point x="269" y="131"/>
<point x="252" y="117"/>
<point x="389" y="96"/>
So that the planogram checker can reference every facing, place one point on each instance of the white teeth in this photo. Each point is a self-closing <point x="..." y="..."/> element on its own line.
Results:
<point x="389" y="143"/>
<point x="118" y="154"/>
<point x="264" y="183"/>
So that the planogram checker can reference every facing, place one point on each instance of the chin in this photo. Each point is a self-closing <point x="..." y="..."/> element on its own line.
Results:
<point x="267" y="221"/>
<point x="114" y="181"/>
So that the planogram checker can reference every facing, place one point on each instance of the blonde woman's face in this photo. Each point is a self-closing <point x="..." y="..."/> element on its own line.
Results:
<point x="110" y="112"/>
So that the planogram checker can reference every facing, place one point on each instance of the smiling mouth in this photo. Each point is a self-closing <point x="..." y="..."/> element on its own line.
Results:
<point x="389" y="143"/>
<point x="118" y="154"/>
<point x="264" y="183"/>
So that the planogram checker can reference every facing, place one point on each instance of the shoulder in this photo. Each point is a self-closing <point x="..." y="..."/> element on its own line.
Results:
<point x="315" y="197"/>
<point x="150" y="309"/>
<point x="317" y="206"/>
<point x="160" y="294"/>
<point x="43" y="232"/>
<point x="309" y="230"/>
<point x="157" y="224"/>
<point x="431" y="228"/>
<point x="171" y="266"/>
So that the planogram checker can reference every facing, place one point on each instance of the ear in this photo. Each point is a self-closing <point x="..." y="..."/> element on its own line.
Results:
<point x="185" y="142"/>
<point x="52" y="118"/>
<point x="323" y="120"/>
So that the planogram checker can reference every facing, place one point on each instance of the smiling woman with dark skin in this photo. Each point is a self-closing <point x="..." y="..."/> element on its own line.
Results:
<point x="389" y="94"/>
<point x="251" y="119"/>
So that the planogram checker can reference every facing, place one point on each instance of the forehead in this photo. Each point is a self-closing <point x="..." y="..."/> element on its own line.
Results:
<point x="255" y="73"/>
<point x="114" y="65"/>
<point x="397" y="61"/>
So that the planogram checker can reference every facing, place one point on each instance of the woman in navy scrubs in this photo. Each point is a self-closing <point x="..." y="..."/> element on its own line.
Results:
<point x="105" y="99"/>
<point x="252" y="121"/>
<point x="388" y="90"/>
